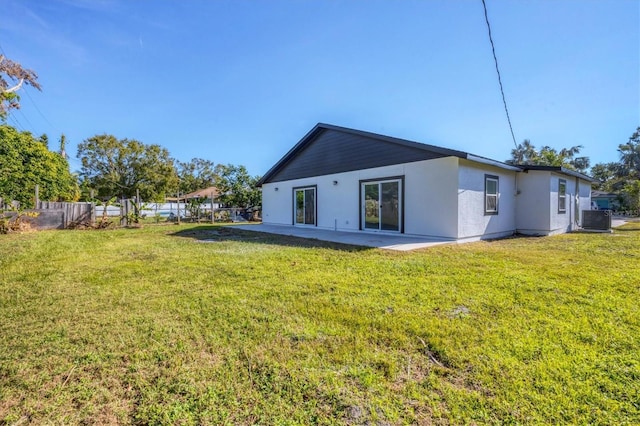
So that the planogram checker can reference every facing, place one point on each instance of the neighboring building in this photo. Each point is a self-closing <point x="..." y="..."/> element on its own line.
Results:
<point x="350" y="180"/>
<point x="606" y="200"/>
<point x="209" y="193"/>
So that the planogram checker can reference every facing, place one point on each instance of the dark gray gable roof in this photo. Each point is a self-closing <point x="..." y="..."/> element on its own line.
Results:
<point x="557" y="169"/>
<point x="328" y="149"/>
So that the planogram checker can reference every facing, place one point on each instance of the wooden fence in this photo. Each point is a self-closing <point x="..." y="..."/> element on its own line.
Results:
<point x="73" y="214"/>
<point x="62" y="215"/>
<point x="8" y="205"/>
<point x="53" y="215"/>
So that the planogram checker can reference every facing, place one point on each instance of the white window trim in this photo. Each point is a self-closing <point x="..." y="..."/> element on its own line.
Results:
<point x="315" y="213"/>
<point x="562" y="196"/>
<point x="487" y="195"/>
<point x="400" y="182"/>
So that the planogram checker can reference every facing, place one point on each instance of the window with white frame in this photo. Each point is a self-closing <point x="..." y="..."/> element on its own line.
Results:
<point x="490" y="194"/>
<point x="562" y="195"/>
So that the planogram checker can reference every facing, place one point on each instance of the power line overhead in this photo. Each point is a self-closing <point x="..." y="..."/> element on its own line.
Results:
<point x="495" y="59"/>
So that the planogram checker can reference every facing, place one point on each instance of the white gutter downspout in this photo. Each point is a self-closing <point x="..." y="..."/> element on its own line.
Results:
<point x="516" y="210"/>
<point x="577" y="204"/>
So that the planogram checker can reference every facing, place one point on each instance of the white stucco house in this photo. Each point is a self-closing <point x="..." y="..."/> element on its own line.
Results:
<point x="349" y="180"/>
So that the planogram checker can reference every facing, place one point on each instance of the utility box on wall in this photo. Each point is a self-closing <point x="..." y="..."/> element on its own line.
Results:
<point x="597" y="220"/>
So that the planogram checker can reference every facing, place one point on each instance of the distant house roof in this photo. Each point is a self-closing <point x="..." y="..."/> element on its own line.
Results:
<point x="557" y="169"/>
<point x="329" y="149"/>
<point x="200" y="193"/>
<point x="203" y="193"/>
<point x="604" y="194"/>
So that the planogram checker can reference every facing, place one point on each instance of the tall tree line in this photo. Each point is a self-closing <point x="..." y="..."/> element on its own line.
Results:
<point x="27" y="162"/>
<point x="527" y="154"/>
<point x="125" y="168"/>
<point x="622" y="176"/>
<point x="111" y="167"/>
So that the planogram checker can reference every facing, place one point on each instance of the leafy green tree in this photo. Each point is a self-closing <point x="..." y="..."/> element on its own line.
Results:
<point x="631" y="194"/>
<point x="195" y="174"/>
<point x="623" y="176"/>
<point x="63" y="145"/>
<point x="26" y="162"/>
<point x="12" y="77"/>
<point x="606" y="176"/>
<point x="630" y="156"/>
<point x="581" y="164"/>
<point x="527" y="154"/>
<point x="44" y="139"/>
<point x="120" y="167"/>
<point x="236" y="187"/>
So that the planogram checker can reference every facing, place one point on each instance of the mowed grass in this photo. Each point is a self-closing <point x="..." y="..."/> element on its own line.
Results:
<point x="199" y="324"/>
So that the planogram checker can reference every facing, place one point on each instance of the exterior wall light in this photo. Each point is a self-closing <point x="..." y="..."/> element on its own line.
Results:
<point x="335" y="182"/>
<point x="276" y="188"/>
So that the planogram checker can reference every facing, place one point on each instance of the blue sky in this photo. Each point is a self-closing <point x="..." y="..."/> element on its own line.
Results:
<point x="242" y="81"/>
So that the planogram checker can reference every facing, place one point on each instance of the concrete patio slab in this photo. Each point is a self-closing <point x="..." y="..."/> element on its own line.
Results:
<point x="618" y="221"/>
<point x="365" y="239"/>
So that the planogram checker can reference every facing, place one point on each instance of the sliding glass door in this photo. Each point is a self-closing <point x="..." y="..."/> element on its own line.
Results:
<point x="381" y="205"/>
<point x="304" y="207"/>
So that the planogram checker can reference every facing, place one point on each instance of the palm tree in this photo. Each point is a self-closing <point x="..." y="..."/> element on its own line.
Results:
<point x="525" y="153"/>
<point x="630" y="155"/>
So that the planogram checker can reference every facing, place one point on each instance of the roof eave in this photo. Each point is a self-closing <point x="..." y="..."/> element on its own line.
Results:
<point x="558" y="169"/>
<point x="323" y="126"/>
<point x="286" y="157"/>
<point x="490" y="162"/>
<point x="416" y="145"/>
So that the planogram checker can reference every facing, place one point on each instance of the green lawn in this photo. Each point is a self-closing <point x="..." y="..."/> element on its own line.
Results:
<point x="199" y="324"/>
